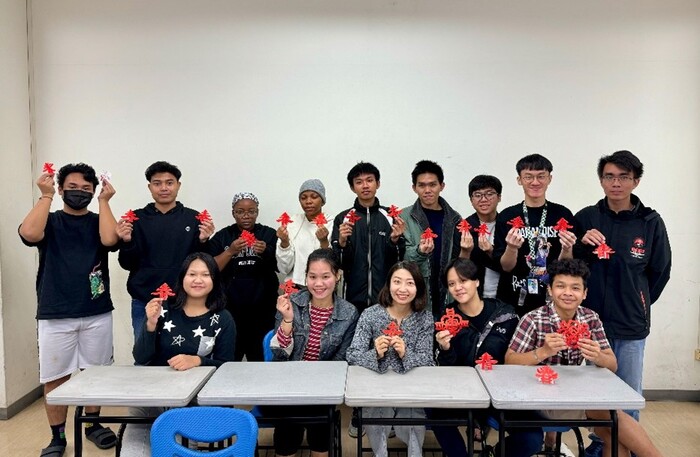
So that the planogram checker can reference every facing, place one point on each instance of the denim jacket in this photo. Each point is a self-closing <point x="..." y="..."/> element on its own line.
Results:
<point x="335" y="338"/>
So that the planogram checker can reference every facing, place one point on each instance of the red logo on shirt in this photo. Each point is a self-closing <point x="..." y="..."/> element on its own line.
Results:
<point x="637" y="250"/>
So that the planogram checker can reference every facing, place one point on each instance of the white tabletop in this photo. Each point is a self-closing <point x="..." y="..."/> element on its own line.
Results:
<point x="421" y="387"/>
<point x="578" y="387"/>
<point x="131" y="385"/>
<point x="276" y="383"/>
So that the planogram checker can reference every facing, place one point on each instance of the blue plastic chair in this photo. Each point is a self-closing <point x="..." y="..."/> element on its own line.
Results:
<point x="204" y="424"/>
<point x="267" y="351"/>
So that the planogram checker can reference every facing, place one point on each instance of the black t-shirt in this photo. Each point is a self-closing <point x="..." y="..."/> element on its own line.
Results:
<point x="73" y="276"/>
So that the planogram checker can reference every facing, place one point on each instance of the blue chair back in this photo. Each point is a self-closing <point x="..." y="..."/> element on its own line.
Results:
<point x="267" y="352"/>
<point x="204" y="424"/>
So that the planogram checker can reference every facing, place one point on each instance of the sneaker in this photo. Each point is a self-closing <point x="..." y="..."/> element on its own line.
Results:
<point x="595" y="449"/>
<point x="564" y="450"/>
<point x="352" y="431"/>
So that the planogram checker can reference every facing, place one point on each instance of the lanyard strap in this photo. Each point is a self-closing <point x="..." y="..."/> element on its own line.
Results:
<point x="531" y="240"/>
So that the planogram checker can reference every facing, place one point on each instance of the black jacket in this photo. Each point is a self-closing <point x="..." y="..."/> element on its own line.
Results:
<point x="480" y="258"/>
<point x="368" y="254"/>
<point x="622" y="288"/>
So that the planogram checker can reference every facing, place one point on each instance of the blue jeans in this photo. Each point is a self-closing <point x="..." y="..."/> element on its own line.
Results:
<point x="138" y="315"/>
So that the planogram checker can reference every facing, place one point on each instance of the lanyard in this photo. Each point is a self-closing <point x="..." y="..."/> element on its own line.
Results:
<point x="532" y="240"/>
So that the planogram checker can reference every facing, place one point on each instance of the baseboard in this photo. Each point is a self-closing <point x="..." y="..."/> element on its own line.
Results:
<point x="19" y="405"/>
<point x="672" y="395"/>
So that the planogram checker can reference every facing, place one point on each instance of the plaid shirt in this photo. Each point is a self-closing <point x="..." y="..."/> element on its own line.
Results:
<point x="537" y="323"/>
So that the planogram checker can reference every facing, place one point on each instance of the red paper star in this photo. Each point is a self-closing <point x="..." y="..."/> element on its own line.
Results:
<point x="352" y="216"/>
<point x="464" y="226"/>
<point x="164" y="291"/>
<point x="483" y="229"/>
<point x="48" y="168"/>
<point x="249" y="238"/>
<point x="204" y="216"/>
<point x="603" y="251"/>
<point x="451" y="322"/>
<point x="562" y="225"/>
<point x="517" y="222"/>
<point x="284" y="219"/>
<point x="428" y="234"/>
<point x="392" y="330"/>
<point x="546" y="375"/>
<point x="572" y="331"/>
<point x="130" y="216"/>
<point x="320" y="220"/>
<point x="486" y="361"/>
<point x="288" y="287"/>
<point x="394" y="211"/>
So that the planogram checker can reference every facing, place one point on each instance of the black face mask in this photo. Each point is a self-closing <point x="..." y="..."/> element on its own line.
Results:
<point x="77" y="199"/>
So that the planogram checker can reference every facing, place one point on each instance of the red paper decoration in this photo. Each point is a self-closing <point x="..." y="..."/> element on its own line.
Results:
<point x="572" y="331"/>
<point x="288" y="287"/>
<point x="546" y="375"/>
<point x="517" y="222"/>
<point x="48" y="168"/>
<point x="284" y="219"/>
<point x="452" y="322"/>
<point x="428" y="234"/>
<point x="392" y="329"/>
<point x="164" y="291"/>
<point x="394" y="211"/>
<point x="352" y="216"/>
<point x="603" y="251"/>
<point x="320" y="220"/>
<point x="486" y="362"/>
<point x="249" y="238"/>
<point x="483" y="229"/>
<point x="204" y="216"/>
<point x="464" y="226"/>
<point x="562" y="224"/>
<point x="130" y="216"/>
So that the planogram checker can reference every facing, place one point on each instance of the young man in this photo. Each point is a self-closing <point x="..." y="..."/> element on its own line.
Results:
<point x="485" y="195"/>
<point x="431" y="211"/>
<point x="369" y="246"/>
<point x="624" y="285"/>
<point x="524" y="253"/>
<point x="537" y="342"/>
<point x="154" y="246"/>
<point x="74" y="304"/>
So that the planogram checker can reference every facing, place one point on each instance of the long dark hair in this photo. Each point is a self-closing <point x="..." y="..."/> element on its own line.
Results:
<point x="418" y="303"/>
<point x="216" y="300"/>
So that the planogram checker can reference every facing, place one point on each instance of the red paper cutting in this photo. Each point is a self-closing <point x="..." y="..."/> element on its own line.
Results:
<point x="452" y="322"/>
<point x="394" y="211"/>
<point x="392" y="329"/>
<point x="352" y="216"/>
<point x="517" y="222"/>
<point x="288" y="287"/>
<point x="483" y="229"/>
<point x="204" y="216"/>
<point x="164" y="291"/>
<point x="320" y="220"/>
<point x="284" y="219"/>
<point x="603" y="251"/>
<point x="130" y="216"/>
<point x="562" y="224"/>
<point x="572" y="331"/>
<point x="486" y="361"/>
<point x="464" y="226"/>
<point x="249" y="238"/>
<point x="546" y="375"/>
<point x="428" y="234"/>
<point x="48" y="168"/>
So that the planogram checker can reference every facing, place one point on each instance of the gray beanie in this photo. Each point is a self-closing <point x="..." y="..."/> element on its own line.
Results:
<point x="315" y="185"/>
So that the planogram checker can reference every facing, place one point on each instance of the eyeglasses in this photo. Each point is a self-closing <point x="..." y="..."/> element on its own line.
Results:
<point x="530" y="178"/>
<point x="624" y="179"/>
<point x="490" y="195"/>
<point x="243" y="213"/>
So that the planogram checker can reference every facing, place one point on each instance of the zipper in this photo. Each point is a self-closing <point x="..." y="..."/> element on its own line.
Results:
<point x="369" y="260"/>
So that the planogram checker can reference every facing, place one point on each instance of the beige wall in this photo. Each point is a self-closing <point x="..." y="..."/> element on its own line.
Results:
<point x="249" y="95"/>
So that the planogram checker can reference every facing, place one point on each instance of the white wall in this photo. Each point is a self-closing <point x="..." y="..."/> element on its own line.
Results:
<point x="258" y="96"/>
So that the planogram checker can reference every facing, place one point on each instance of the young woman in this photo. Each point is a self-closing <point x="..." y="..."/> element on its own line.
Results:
<point x="401" y="302"/>
<point x="314" y="324"/>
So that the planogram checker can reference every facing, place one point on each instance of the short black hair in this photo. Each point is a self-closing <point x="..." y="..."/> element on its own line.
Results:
<point x="421" y="299"/>
<point x="568" y="267"/>
<point x="427" y="166"/>
<point x="362" y="168"/>
<point x="534" y="162"/>
<point x="485" y="182"/>
<point x="624" y="160"/>
<point x="216" y="300"/>
<point x="162" y="167"/>
<point x="465" y="269"/>
<point x="84" y="169"/>
<point x="324" y="255"/>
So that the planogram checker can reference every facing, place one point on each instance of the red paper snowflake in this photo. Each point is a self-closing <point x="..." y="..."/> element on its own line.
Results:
<point x="464" y="226"/>
<point x="486" y="361"/>
<point x="392" y="329"/>
<point x="352" y="216"/>
<point x="130" y="216"/>
<point x="48" y="168"/>
<point x="204" y="216"/>
<point x="546" y="375"/>
<point x="573" y="330"/>
<point x="516" y="222"/>
<point x="452" y="322"/>
<point x="249" y="238"/>
<point x="320" y="220"/>
<point x="284" y="219"/>
<point x="603" y="251"/>
<point x="164" y="291"/>
<point x="288" y="287"/>
<point x="428" y="234"/>
<point x="394" y="211"/>
<point x="483" y="229"/>
<point x="562" y="224"/>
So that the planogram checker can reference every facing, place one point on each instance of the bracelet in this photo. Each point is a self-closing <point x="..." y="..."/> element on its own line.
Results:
<point x="535" y="354"/>
<point x="287" y="322"/>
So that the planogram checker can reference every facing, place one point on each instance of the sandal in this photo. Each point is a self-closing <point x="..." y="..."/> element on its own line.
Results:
<point x="55" y="450"/>
<point x="102" y="437"/>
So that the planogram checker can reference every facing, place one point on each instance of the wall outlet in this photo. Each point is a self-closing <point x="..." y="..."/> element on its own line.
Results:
<point x="697" y="354"/>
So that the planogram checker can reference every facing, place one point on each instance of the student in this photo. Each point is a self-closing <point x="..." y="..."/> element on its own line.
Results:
<point x="74" y="311"/>
<point x="523" y="254"/>
<point x="154" y="246"/>
<point x="536" y="342"/>
<point x="194" y="329"/>
<point x="313" y="324"/>
<point x="485" y="195"/>
<point x="298" y="239"/>
<point x="491" y="325"/>
<point x="432" y="211"/>
<point x="623" y="286"/>
<point x="401" y="301"/>
<point x="249" y="275"/>
<point x="368" y="247"/>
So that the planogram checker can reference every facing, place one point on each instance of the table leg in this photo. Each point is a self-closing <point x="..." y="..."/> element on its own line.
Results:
<point x="502" y="433"/>
<point x="331" y="426"/>
<point x="359" y="432"/>
<point x="77" y="435"/>
<point x="470" y="434"/>
<point x="613" y="432"/>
